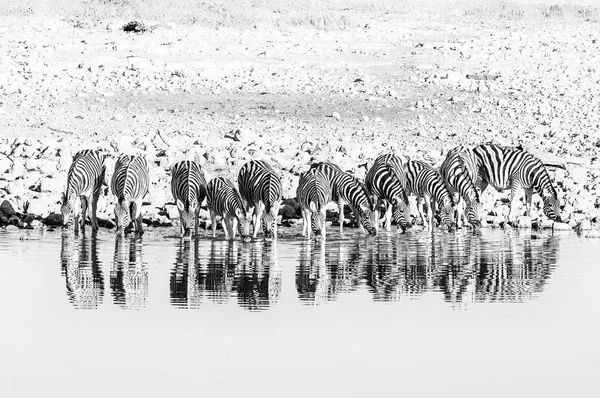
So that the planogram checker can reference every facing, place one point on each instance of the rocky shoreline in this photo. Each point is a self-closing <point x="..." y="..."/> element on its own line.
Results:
<point x="292" y="98"/>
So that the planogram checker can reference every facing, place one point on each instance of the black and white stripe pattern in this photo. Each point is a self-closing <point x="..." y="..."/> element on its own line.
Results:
<point x="459" y="171"/>
<point x="346" y="189"/>
<point x="386" y="182"/>
<point x="512" y="168"/>
<point x="313" y="195"/>
<point x="188" y="187"/>
<point x="129" y="184"/>
<point x="225" y="203"/>
<point x="261" y="187"/>
<point x="84" y="182"/>
<point x="427" y="184"/>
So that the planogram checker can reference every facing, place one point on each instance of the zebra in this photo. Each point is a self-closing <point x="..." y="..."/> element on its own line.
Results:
<point x="346" y="189"/>
<point x="459" y="172"/>
<point x="129" y="184"/>
<point x="260" y="187"/>
<point x="313" y="194"/>
<point x="188" y="187"/>
<point x="512" y="168"/>
<point x="225" y="203"/>
<point x="427" y="184"/>
<point x="386" y="182"/>
<point x="84" y="182"/>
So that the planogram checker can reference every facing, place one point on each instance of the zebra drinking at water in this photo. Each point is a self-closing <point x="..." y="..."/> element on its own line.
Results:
<point x="84" y="181"/>
<point x="459" y="171"/>
<point x="386" y="182"/>
<point x="261" y="187"/>
<point x="188" y="187"/>
<point x="346" y="189"/>
<point x="129" y="184"/>
<point x="225" y="203"/>
<point x="427" y="184"/>
<point x="313" y="194"/>
<point x="512" y="168"/>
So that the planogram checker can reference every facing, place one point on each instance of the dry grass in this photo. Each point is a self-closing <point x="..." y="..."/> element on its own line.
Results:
<point x="285" y="14"/>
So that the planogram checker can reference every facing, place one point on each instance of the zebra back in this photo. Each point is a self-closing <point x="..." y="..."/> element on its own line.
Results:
<point x="258" y="182"/>
<point x="223" y="198"/>
<point x="86" y="174"/>
<point x="396" y="166"/>
<point x="425" y="180"/>
<point x="499" y="166"/>
<point x="187" y="183"/>
<point x="459" y="171"/>
<point x="130" y="180"/>
<point x="313" y="187"/>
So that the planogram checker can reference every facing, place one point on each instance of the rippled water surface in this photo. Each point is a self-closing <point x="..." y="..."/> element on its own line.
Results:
<point x="495" y="314"/>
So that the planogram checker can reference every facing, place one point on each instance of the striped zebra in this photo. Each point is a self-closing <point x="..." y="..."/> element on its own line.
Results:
<point x="511" y="168"/>
<point x="225" y="203"/>
<point x="313" y="194"/>
<point x="427" y="184"/>
<point x="346" y="189"/>
<point x="261" y="188"/>
<point x="459" y="172"/>
<point x="188" y="187"/>
<point x="129" y="184"/>
<point x="386" y="182"/>
<point x="84" y="182"/>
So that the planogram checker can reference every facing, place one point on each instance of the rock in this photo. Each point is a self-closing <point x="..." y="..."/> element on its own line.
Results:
<point x="560" y="226"/>
<point x="593" y="233"/>
<point x="5" y="164"/>
<point x="104" y="223"/>
<point x="336" y="115"/>
<point x="41" y="206"/>
<point x="7" y="209"/>
<point x="524" y="222"/>
<point x="53" y="220"/>
<point x="583" y="225"/>
<point x="243" y="135"/>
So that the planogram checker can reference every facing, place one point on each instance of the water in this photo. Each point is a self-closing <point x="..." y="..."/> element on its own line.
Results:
<point x="488" y="314"/>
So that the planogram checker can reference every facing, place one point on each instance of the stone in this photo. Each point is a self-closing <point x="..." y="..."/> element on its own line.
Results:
<point x="7" y="209"/>
<point x="53" y="220"/>
<point x="524" y="222"/>
<point x="560" y="226"/>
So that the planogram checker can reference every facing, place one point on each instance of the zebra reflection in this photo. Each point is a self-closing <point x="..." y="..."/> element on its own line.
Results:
<point x="218" y="278"/>
<point x="81" y="269"/>
<point x="514" y="269"/>
<point x="185" y="288"/>
<point x="313" y="281"/>
<point x="128" y="274"/>
<point x="258" y="281"/>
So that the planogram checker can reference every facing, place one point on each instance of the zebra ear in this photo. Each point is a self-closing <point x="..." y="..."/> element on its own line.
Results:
<point x="312" y="206"/>
<point x="63" y="198"/>
<point x="180" y="205"/>
<point x="239" y="213"/>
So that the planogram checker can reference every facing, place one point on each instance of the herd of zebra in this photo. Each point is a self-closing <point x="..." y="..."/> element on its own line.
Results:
<point x="453" y="191"/>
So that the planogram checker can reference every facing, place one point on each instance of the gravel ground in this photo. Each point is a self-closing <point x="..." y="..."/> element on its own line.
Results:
<point x="413" y="87"/>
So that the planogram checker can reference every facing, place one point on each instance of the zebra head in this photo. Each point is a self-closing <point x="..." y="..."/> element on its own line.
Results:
<point x="68" y="210"/>
<point x="244" y="221"/>
<point x="472" y="209"/>
<point x="317" y="220"/>
<point x="368" y="219"/>
<point x="122" y="216"/>
<point x="551" y="206"/>
<point x="186" y="215"/>
<point x="401" y="215"/>
<point x="269" y="220"/>
<point x="447" y="214"/>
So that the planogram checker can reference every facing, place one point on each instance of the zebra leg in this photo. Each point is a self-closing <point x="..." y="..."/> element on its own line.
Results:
<point x="213" y="223"/>
<point x="275" y="211"/>
<point x="304" y="222"/>
<point x="257" y="218"/>
<point x="341" y="215"/>
<point x="225" y="224"/>
<point x="358" y="218"/>
<point x="388" y="216"/>
<point x="233" y="224"/>
<point x="93" y="218"/>
<point x="512" y="198"/>
<point x="528" y="195"/>
<point x="84" y="208"/>
<point x="431" y="212"/>
<point x="196" y="220"/>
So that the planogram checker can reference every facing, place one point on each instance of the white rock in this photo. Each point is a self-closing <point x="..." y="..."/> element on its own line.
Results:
<point x="560" y="226"/>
